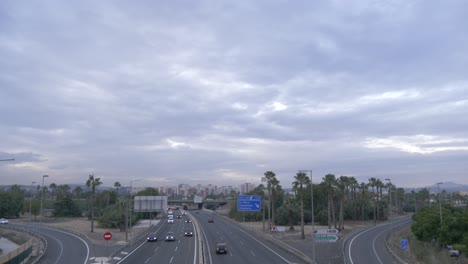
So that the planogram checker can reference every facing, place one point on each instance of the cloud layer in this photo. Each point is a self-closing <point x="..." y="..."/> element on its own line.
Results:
<point x="203" y="92"/>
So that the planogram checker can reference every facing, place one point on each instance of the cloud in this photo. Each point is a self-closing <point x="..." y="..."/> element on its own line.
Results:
<point x="220" y="93"/>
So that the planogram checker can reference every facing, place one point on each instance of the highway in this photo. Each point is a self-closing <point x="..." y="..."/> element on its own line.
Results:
<point x="62" y="247"/>
<point x="242" y="247"/>
<point x="369" y="245"/>
<point x="182" y="250"/>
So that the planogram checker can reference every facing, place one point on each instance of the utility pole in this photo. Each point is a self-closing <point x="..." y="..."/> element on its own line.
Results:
<point x="440" y="201"/>
<point x="42" y="195"/>
<point x="30" y="201"/>
<point x="312" y="208"/>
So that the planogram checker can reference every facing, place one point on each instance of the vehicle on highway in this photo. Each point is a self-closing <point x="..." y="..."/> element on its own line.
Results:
<point x="3" y="221"/>
<point x="178" y="216"/>
<point x="454" y="253"/>
<point x="221" y="248"/>
<point x="188" y="220"/>
<point x="170" y="236"/>
<point x="152" y="237"/>
<point x="170" y="221"/>
<point x="210" y="220"/>
<point x="188" y="233"/>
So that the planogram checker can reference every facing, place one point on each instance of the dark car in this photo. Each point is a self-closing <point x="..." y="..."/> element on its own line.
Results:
<point x="178" y="216"/>
<point x="170" y="236"/>
<point x="221" y="248"/>
<point x="188" y="220"/>
<point x="152" y="237"/>
<point x="188" y="233"/>
<point x="210" y="220"/>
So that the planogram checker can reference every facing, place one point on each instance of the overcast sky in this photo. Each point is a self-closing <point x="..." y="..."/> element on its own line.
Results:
<point x="220" y="92"/>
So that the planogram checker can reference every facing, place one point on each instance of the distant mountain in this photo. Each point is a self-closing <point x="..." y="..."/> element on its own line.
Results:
<point x="447" y="186"/>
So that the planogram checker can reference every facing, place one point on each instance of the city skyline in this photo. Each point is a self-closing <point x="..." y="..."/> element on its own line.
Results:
<point x="199" y="92"/>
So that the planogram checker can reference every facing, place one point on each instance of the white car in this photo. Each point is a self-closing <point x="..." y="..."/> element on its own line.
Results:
<point x="3" y="221"/>
<point x="170" y="221"/>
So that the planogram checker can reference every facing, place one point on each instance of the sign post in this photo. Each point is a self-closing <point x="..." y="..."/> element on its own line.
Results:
<point x="249" y="203"/>
<point x="107" y="235"/>
<point x="325" y="238"/>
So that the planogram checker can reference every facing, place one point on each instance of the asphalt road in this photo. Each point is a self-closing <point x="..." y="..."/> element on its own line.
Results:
<point x="182" y="250"/>
<point x="62" y="247"/>
<point x="242" y="246"/>
<point x="369" y="245"/>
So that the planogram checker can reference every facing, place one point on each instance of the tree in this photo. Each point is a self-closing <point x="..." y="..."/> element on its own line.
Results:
<point x="342" y="184"/>
<point x="330" y="185"/>
<point x="93" y="183"/>
<point x="301" y="179"/>
<point x="117" y="185"/>
<point x="78" y="191"/>
<point x="269" y="176"/>
<point x="373" y="184"/>
<point x="53" y="188"/>
<point x="148" y="191"/>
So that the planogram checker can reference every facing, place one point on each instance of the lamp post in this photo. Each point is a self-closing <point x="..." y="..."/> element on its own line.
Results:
<point x="440" y="201"/>
<point x="30" y="200"/>
<point x="312" y="208"/>
<point x="130" y="207"/>
<point x="42" y="195"/>
<point x="263" y="206"/>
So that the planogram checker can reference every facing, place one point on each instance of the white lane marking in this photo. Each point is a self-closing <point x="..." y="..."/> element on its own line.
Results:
<point x="147" y="260"/>
<point x="176" y="249"/>
<point x="373" y="246"/>
<point x="61" y="249"/>
<point x="124" y="252"/>
<point x="206" y="242"/>
<point x="352" y="240"/>
<point x="156" y="249"/>
<point x="252" y="253"/>
<point x="116" y="258"/>
<point x="172" y="258"/>
<point x="82" y="240"/>
<point x="271" y="250"/>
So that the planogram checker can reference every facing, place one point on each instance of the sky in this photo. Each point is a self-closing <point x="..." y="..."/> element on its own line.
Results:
<point x="158" y="93"/>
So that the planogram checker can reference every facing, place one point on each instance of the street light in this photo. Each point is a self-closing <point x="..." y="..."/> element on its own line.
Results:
<point x="130" y="207"/>
<point x="42" y="195"/>
<point x="312" y="208"/>
<point x="390" y="196"/>
<point x="263" y="206"/>
<point x="440" y="201"/>
<point x="30" y="200"/>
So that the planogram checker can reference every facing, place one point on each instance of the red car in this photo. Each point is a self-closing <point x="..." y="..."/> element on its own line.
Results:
<point x="210" y="220"/>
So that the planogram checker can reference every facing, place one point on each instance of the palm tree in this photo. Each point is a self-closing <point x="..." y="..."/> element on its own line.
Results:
<point x="53" y="187"/>
<point x="380" y="185"/>
<point x="117" y="185"/>
<point x="373" y="184"/>
<point x="342" y="184"/>
<point x="354" y="185"/>
<point x="93" y="183"/>
<point x="269" y="176"/>
<point x="78" y="191"/>
<point x="290" y="204"/>
<point x="275" y="189"/>
<point x="330" y="184"/>
<point x="301" y="179"/>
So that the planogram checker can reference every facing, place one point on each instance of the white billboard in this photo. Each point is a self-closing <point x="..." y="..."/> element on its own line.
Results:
<point x="150" y="203"/>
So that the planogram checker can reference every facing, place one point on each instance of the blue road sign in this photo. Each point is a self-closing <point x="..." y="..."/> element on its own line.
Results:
<point x="404" y="244"/>
<point x="249" y="203"/>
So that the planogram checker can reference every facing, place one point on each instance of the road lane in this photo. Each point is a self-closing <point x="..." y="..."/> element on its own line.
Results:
<point x="182" y="250"/>
<point x="369" y="245"/>
<point x="242" y="247"/>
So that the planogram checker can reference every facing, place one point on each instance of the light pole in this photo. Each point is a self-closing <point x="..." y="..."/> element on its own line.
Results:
<point x="7" y="159"/>
<point x="263" y="206"/>
<point x="440" y="201"/>
<point x="30" y="200"/>
<point x="390" y="197"/>
<point x="42" y="195"/>
<point x="312" y="208"/>
<point x="131" y="204"/>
